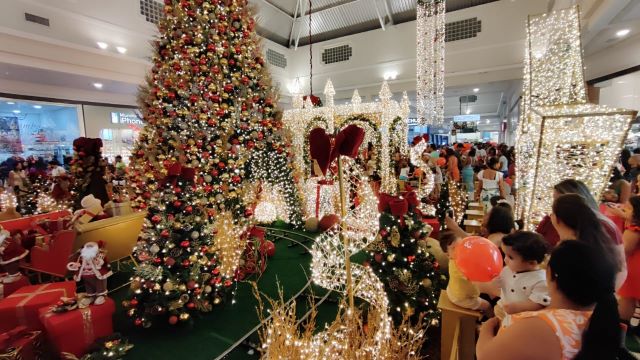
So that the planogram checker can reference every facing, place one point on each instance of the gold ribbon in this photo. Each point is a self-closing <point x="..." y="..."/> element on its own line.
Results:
<point x="20" y="312"/>
<point x="87" y="325"/>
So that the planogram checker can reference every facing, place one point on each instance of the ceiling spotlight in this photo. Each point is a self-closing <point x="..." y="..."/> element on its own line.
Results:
<point x="391" y="75"/>
<point x="488" y="121"/>
<point x="623" y="32"/>
<point x="10" y="103"/>
<point x="37" y="106"/>
<point x="97" y="85"/>
<point x="16" y="111"/>
<point x="468" y="111"/>
<point x="121" y="49"/>
<point x="102" y="45"/>
<point x="476" y="90"/>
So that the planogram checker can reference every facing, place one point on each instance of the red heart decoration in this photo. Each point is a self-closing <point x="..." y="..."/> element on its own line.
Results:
<point x="320" y="148"/>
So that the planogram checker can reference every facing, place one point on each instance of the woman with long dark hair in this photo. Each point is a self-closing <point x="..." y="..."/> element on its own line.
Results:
<point x="630" y="290"/>
<point x="453" y="171"/>
<point x="580" y="323"/>
<point x="574" y="219"/>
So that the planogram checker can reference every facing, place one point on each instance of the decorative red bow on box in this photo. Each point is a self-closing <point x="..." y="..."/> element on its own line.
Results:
<point x="9" y="337"/>
<point x="323" y="150"/>
<point x="176" y="171"/>
<point x="399" y="205"/>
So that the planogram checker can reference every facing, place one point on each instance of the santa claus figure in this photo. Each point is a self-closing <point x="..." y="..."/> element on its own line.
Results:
<point x="93" y="269"/>
<point x="11" y="252"/>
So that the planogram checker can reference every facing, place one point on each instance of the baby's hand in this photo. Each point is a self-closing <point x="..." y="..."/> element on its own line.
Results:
<point x="509" y="308"/>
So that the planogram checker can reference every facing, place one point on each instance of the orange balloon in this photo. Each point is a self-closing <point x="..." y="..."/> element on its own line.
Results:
<point x="441" y="161"/>
<point x="478" y="259"/>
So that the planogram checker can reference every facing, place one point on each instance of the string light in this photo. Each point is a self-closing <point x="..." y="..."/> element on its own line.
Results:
<point x="430" y="47"/>
<point x="560" y="136"/>
<point x="427" y="183"/>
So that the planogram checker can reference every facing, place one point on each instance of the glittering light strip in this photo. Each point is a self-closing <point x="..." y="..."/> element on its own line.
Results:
<point x="430" y="64"/>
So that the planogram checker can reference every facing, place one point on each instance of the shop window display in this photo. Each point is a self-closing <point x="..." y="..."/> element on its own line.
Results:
<point x="37" y="129"/>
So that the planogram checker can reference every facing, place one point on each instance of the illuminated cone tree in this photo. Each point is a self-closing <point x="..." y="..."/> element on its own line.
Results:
<point x="208" y="107"/>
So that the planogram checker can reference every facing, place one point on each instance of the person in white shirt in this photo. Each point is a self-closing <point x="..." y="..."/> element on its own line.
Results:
<point x="523" y="285"/>
<point x="56" y="169"/>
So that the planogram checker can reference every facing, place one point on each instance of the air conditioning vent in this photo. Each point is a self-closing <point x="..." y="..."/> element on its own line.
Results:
<point x="468" y="99"/>
<point x="36" y="19"/>
<point x="337" y="54"/>
<point x="152" y="10"/>
<point x="276" y="59"/>
<point x="463" y="29"/>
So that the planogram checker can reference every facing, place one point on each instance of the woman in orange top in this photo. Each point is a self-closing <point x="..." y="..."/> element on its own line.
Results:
<point x="581" y="323"/>
<point x="452" y="165"/>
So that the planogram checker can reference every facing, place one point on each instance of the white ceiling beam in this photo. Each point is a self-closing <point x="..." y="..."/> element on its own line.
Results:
<point x="294" y="22"/>
<point x="271" y="5"/>
<point x="380" y="17"/>
<point x="389" y="13"/>
<point x="303" y="9"/>
<point x="331" y="6"/>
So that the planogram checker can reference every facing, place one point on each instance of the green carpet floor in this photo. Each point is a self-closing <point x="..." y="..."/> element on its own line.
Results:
<point x="211" y="334"/>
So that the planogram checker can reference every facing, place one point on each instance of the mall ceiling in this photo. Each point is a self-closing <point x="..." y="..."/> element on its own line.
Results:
<point x="287" y="21"/>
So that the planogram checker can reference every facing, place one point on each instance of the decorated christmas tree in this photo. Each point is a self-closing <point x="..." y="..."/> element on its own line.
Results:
<point x="443" y="206"/>
<point x="399" y="257"/>
<point x="210" y="120"/>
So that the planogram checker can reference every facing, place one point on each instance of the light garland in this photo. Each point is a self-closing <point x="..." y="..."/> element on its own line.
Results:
<point x="321" y="199"/>
<point x="458" y="200"/>
<point x="381" y="113"/>
<point x="560" y="136"/>
<point x="427" y="183"/>
<point x="8" y="200"/>
<point x="430" y="48"/>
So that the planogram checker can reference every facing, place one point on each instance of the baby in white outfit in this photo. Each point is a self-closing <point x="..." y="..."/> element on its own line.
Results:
<point x="523" y="285"/>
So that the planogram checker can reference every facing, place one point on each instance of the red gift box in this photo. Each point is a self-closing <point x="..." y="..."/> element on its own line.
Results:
<point x="10" y="288"/>
<point x="21" y="307"/>
<point x="20" y="343"/>
<point x="75" y="331"/>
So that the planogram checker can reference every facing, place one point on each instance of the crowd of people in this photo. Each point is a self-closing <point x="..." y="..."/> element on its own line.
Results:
<point x="570" y="289"/>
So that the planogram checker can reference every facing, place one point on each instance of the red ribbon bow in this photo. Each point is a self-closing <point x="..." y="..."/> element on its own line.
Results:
<point x="324" y="151"/>
<point x="175" y="171"/>
<point x="398" y="206"/>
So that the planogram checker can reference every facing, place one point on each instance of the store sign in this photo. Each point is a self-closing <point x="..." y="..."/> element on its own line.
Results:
<point x="124" y="118"/>
<point x="461" y="118"/>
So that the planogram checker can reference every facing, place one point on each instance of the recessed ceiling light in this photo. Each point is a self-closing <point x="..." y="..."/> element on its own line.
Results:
<point x="468" y="111"/>
<point x="102" y="45"/>
<point x="623" y="32"/>
<point x="476" y="90"/>
<point x="97" y="85"/>
<point x="488" y="121"/>
<point x="16" y="111"/>
<point x="37" y="106"/>
<point x="10" y="103"/>
<point x="121" y="49"/>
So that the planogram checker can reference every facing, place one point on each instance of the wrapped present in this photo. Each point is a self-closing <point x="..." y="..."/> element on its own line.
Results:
<point x="322" y="197"/>
<point x="21" y="307"/>
<point x="10" y="288"/>
<point x="20" y="343"/>
<point x="118" y="208"/>
<point x="75" y="331"/>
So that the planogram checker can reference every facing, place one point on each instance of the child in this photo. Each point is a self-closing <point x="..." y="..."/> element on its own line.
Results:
<point x="461" y="291"/>
<point x="523" y="285"/>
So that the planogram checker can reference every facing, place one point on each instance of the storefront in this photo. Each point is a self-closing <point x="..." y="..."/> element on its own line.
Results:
<point x="38" y="129"/>
<point x="117" y="127"/>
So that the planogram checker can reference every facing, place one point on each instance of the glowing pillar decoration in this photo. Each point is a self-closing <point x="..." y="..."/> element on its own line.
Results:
<point x="560" y="135"/>
<point x="380" y="113"/>
<point x="430" y="56"/>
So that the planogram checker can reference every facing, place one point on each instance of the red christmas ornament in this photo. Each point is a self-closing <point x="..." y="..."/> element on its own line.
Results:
<point x="411" y="258"/>
<point x="164" y="233"/>
<point x="384" y="233"/>
<point x="220" y="112"/>
<point x="228" y="283"/>
<point x="156" y="218"/>
<point x="214" y="172"/>
<point x="138" y="322"/>
<point x="173" y="319"/>
<point x="191" y="305"/>
<point x="191" y="284"/>
<point x="169" y="262"/>
<point x="186" y="263"/>
<point x="216" y="271"/>
<point x="378" y="257"/>
<point x="248" y="212"/>
<point x="222" y="165"/>
<point x="185" y="243"/>
<point x="268" y="247"/>
<point x="228" y="88"/>
<point x="157" y="261"/>
<point x="236" y="179"/>
<point x="188" y="209"/>
<point x="134" y="302"/>
<point x="177" y="203"/>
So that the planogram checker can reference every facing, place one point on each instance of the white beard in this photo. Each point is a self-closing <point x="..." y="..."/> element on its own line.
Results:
<point x="89" y="252"/>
